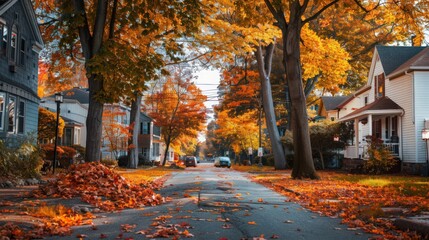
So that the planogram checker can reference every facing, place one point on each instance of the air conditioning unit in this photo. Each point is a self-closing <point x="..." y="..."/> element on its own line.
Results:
<point x="12" y="67"/>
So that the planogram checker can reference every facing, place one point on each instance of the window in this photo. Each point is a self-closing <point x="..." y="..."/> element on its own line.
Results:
<point x="379" y="86"/>
<point x="376" y="128"/>
<point x="67" y="139"/>
<point x="77" y="136"/>
<point x="13" y="44"/>
<point x="11" y="117"/>
<point x="365" y="101"/>
<point x="3" y="43"/>
<point x="22" y="52"/>
<point x="155" y="152"/>
<point x="2" y="104"/>
<point x="145" y="128"/>
<point x="21" y="116"/>
<point x="395" y="126"/>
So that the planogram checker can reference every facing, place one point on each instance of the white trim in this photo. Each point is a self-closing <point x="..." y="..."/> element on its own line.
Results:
<point x="373" y="112"/>
<point x="7" y="5"/>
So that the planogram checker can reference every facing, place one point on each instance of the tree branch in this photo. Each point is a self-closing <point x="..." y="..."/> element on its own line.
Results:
<point x="314" y="16"/>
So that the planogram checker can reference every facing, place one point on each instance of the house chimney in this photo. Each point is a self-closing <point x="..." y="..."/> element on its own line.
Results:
<point x="412" y="39"/>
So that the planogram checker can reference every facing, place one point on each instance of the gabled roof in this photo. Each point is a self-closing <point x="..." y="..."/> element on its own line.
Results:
<point x="381" y="105"/>
<point x="331" y="103"/>
<point x="32" y="20"/>
<point x="79" y="94"/>
<point x="418" y="62"/>
<point x="392" y="57"/>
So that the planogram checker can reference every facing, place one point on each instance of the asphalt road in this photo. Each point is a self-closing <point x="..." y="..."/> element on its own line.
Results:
<point x="218" y="203"/>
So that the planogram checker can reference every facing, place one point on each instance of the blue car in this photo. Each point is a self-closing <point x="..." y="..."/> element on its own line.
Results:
<point x="222" y="162"/>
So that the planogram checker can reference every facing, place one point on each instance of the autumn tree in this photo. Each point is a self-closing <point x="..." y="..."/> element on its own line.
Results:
<point x="178" y="108"/>
<point x="115" y="130"/>
<point x="240" y="132"/>
<point x="47" y="125"/>
<point x="120" y="44"/>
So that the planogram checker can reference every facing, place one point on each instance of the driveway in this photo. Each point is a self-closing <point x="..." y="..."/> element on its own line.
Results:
<point x="217" y="203"/>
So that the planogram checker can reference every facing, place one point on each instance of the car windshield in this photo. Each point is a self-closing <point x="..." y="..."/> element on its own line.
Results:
<point x="224" y="158"/>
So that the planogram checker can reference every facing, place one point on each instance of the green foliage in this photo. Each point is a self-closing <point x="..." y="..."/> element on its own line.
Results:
<point x="22" y="162"/>
<point x="380" y="158"/>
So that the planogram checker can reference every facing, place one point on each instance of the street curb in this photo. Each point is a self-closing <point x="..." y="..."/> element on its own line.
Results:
<point x="413" y="225"/>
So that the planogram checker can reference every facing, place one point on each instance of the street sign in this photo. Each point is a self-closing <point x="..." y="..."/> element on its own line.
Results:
<point x="260" y="152"/>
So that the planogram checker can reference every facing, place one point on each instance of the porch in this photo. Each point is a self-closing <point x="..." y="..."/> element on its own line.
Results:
<point x="382" y="120"/>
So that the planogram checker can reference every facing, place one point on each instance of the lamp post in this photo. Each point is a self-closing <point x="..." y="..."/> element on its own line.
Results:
<point x="58" y="100"/>
<point x="425" y="137"/>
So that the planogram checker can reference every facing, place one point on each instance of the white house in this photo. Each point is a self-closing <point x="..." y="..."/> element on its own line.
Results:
<point x="74" y="110"/>
<point x="392" y="106"/>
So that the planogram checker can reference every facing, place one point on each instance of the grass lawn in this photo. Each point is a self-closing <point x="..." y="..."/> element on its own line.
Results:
<point x="142" y="175"/>
<point x="360" y="200"/>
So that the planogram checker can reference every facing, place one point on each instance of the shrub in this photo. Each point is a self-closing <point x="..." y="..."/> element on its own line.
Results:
<point x="109" y="162"/>
<point x="80" y="150"/>
<point x="380" y="158"/>
<point x="65" y="154"/>
<point x="23" y="162"/>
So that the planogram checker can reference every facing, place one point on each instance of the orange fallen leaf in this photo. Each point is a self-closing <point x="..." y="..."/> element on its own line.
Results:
<point x="252" y="223"/>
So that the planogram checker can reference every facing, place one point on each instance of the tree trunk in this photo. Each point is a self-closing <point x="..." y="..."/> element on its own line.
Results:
<point x="133" y="145"/>
<point x="94" y="122"/>
<point x="264" y="67"/>
<point x="167" y="146"/>
<point x="303" y="166"/>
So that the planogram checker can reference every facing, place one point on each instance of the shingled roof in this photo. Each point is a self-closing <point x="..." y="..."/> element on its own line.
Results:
<point x="383" y="103"/>
<point x="418" y="62"/>
<point x="392" y="57"/>
<point x="79" y="94"/>
<point x="331" y="103"/>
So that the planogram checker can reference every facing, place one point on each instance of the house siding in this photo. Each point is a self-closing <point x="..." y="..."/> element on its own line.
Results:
<point x="421" y="89"/>
<point x="23" y="82"/>
<point x="378" y="69"/>
<point x="395" y="90"/>
<point x="72" y="110"/>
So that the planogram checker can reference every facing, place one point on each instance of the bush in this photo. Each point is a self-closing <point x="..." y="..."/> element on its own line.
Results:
<point x="80" y="150"/>
<point x="65" y="154"/>
<point x="380" y="158"/>
<point x="123" y="161"/>
<point x="109" y="163"/>
<point x="23" y="162"/>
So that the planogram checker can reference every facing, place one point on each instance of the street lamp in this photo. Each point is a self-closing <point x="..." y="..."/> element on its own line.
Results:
<point x="58" y="100"/>
<point x="425" y="137"/>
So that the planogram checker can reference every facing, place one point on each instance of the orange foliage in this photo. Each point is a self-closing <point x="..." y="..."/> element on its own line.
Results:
<point x="358" y="205"/>
<point x="100" y="186"/>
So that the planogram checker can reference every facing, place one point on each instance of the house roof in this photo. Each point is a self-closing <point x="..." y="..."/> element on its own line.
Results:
<point x="69" y="121"/>
<point x="79" y="94"/>
<point x="392" y="57"/>
<point x="418" y="62"/>
<point x="331" y="103"/>
<point x="379" y="106"/>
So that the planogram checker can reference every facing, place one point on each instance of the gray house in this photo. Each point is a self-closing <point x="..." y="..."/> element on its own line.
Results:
<point x="20" y="44"/>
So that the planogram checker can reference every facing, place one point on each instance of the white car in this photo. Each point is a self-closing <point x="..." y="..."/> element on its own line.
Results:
<point x="222" y="162"/>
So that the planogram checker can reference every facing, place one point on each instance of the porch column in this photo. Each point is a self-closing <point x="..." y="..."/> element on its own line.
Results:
<point x="356" y="125"/>
<point x="370" y="124"/>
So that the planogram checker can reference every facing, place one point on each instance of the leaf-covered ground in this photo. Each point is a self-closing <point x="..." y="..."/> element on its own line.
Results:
<point x="94" y="183"/>
<point x="361" y="201"/>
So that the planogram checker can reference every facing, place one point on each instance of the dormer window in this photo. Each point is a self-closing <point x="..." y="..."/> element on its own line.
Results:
<point x="13" y="44"/>
<point x="379" y="86"/>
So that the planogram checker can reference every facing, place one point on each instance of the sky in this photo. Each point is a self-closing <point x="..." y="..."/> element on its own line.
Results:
<point x="208" y="80"/>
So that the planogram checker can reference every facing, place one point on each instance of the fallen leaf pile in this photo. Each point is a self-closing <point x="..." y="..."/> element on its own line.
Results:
<point x="100" y="186"/>
<point x="45" y="226"/>
<point x="360" y="206"/>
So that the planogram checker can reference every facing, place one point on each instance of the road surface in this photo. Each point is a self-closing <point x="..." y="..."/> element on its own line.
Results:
<point x="217" y="203"/>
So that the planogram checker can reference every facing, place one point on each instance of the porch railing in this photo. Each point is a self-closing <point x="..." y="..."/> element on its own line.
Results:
<point x="350" y="151"/>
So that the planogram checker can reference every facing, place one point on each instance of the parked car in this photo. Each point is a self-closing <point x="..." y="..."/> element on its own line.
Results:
<point x="222" y="162"/>
<point x="190" y="161"/>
